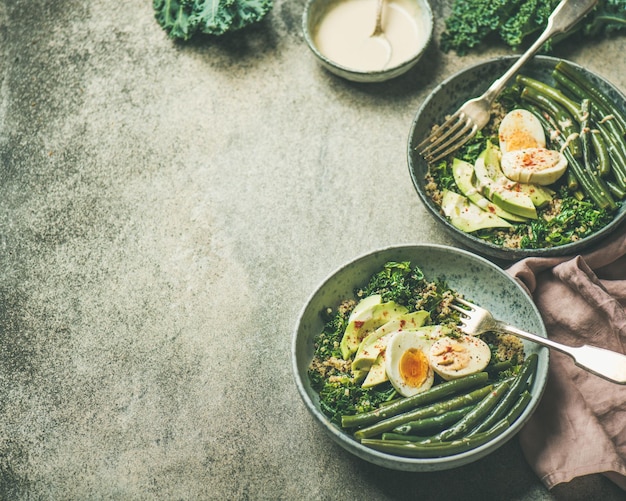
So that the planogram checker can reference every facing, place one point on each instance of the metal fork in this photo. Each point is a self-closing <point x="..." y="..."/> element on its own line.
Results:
<point x="604" y="363"/>
<point x="475" y="113"/>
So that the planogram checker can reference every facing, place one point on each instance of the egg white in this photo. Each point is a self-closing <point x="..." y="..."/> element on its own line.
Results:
<point x="520" y="129"/>
<point x="534" y="165"/>
<point x="453" y="358"/>
<point x="525" y="158"/>
<point x="398" y="345"/>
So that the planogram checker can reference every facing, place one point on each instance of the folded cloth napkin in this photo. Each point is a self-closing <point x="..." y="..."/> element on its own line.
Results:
<point x="579" y="427"/>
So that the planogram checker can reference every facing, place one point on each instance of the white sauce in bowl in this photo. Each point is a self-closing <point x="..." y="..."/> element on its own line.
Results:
<point x="344" y="33"/>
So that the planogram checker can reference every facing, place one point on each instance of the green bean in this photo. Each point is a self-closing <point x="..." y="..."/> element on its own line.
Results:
<point x="406" y="438"/>
<point x="588" y="182"/>
<point x="572" y="182"/>
<point x="617" y="191"/>
<point x="609" y="121"/>
<point x="497" y="367"/>
<point x="541" y="94"/>
<point x="443" y="449"/>
<point x="591" y="167"/>
<point x="519" y="406"/>
<point x="479" y="412"/>
<point x="506" y="403"/>
<point x="610" y="129"/>
<point x="616" y="146"/>
<point x="602" y="154"/>
<point x="437" y="392"/>
<point x="578" y="78"/>
<point x="424" y="412"/>
<point x="568" y="124"/>
<point x="551" y="93"/>
<point x="600" y="113"/>
<point x="585" y="132"/>
<point x="432" y="424"/>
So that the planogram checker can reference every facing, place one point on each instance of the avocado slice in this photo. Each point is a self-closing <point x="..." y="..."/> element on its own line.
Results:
<point x="464" y="177"/>
<point x="467" y="216"/>
<point x="539" y="195"/>
<point x="377" y="373"/>
<point x="364" y="307"/>
<point x="359" y="376"/>
<point x="375" y="341"/>
<point x="361" y="313"/>
<point x="367" y="321"/>
<point x="492" y="183"/>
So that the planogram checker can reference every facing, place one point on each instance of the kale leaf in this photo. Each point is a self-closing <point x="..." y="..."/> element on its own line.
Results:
<point x="472" y="22"/>
<point x="185" y="18"/>
<point x="576" y="219"/>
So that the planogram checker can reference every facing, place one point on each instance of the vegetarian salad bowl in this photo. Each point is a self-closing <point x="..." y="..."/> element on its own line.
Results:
<point x="546" y="177"/>
<point x="382" y="367"/>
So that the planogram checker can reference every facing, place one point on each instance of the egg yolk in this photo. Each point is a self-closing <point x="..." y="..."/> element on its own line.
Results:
<point x="414" y="367"/>
<point x="519" y="139"/>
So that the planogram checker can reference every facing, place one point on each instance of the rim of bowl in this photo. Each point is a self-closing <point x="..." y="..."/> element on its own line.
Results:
<point x="375" y="75"/>
<point x="420" y="464"/>
<point x="475" y="243"/>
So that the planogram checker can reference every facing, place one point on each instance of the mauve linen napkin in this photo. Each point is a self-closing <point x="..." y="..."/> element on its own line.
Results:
<point x="579" y="427"/>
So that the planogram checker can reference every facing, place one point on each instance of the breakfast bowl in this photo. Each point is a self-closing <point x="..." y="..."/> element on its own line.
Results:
<point x="526" y="238"/>
<point x="340" y="35"/>
<point x="456" y="270"/>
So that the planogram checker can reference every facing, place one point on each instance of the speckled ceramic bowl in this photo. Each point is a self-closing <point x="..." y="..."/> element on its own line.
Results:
<point x="314" y="12"/>
<point x="445" y="99"/>
<point x="474" y="276"/>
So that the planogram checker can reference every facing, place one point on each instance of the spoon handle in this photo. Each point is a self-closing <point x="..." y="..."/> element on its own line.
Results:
<point x="378" y="27"/>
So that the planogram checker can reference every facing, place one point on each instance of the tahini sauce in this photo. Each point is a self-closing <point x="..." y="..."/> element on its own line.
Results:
<point x="344" y="34"/>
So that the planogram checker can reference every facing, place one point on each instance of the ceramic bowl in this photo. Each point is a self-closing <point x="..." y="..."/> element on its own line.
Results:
<point x="464" y="272"/>
<point x="417" y="12"/>
<point x="446" y="98"/>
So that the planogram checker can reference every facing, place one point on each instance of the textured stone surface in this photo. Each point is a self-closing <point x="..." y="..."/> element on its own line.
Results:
<point x="165" y="211"/>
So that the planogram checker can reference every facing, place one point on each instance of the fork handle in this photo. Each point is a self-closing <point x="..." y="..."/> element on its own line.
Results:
<point x="564" y="17"/>
<point x="608" y="364"/>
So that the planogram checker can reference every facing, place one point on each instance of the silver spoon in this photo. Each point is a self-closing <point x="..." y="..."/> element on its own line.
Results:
<point x="379" y="33"/>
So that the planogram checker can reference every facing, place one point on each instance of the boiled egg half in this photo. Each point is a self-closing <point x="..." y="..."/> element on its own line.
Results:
<point x="406" y="362"/>
<point x="525" y="158"/>
<point x="457" y="357"/>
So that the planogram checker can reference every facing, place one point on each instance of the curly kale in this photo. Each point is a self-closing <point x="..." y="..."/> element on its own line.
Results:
<point x="339" y="392"/>
<point x="395" y="282"/>
<point x="472" y="22"/>
<point x="576" y="219"/>
<point x="185" y="18"/>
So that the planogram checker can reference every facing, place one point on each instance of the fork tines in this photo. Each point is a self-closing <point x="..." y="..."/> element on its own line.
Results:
<point x="468" y="306"/>
<point x="447" y="138"/>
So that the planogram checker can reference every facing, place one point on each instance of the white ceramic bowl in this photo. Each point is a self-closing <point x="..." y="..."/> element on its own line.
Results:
<point x="464" y="272"/>
<point x="315" y="11"/>
<point x="446" y="98"/>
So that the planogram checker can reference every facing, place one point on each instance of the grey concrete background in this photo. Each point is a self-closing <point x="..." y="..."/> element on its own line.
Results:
<point x="165" y="211"/>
